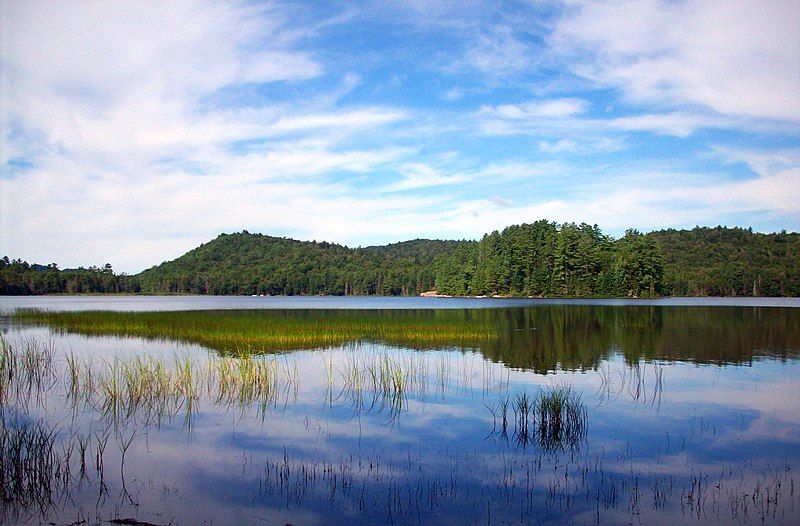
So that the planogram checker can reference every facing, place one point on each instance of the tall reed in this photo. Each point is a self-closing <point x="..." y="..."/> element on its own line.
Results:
<point x="31" y="471"/>
<point x="554" y="418"/>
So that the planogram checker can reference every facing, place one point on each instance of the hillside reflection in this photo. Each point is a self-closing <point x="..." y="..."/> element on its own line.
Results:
<point x="542" y="338"/>
<point x="580" y="337"/>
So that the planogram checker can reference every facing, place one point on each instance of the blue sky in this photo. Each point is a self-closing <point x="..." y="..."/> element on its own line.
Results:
<point x="132" y="132"/>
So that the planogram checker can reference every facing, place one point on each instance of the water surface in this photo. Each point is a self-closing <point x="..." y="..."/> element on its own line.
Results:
<point x="122" y="302"/>
<point x="692" y="415"/>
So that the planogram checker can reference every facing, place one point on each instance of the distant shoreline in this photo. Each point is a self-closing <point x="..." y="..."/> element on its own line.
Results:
<point x="423" y="295"/>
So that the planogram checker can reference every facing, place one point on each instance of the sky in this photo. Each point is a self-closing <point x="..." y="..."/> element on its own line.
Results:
<point x="131" y="132"/>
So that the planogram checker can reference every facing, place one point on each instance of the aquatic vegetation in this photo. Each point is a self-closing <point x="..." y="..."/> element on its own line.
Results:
<point x="560" y="418"/>
<point x="41" y="466"/>
<point x="363" y="432"/>
<point x="633" y="380"/>
<point x="554" y="419"/>
<point x="412" y="488"/>
<point x="542" y="339"/>
<point x="242" y="332"/>
<point x="33" y="470"/>
<point x="153" y="389"/>
<point x="381" y="382"/>
<point x="26" y="371"/>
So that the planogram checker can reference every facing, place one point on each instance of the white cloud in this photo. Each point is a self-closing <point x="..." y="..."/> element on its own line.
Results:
<point x="180" y="45"/>
<point x="644" y="200"/>
<point x="420" y="175"/>
<point x="678" y="124"/>
<point x="366" y="118"/>
<point x="303" y="160"/>
<point x="583" y="145"/>
<point x="499" y="52"/>
<point x="454" y="93"/>
<point x="511" y="171"/>
<point x="553" y="108"/>
<point x="737" y="58"/>
<point x="83" y="216"/>
<point x="106" y="101"/>
<point x="111" y="80"/>
<point x="136" y="144"/>
<point x="566" y="116"/>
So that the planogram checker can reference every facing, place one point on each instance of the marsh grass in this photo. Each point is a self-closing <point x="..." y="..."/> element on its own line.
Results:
<point x="42" y="465"/>
<point x="152" y="389"/>
<point x="149" y="389"/>
<point x="242" y="332"/>
<point x="31" y="468"/>
<point x="632" y="380"/>
<point x="252" y="380"/>
<point x="561" y="418"/>
<point x="381" y="382"/>
<point x="26" y="371"/>
<point x="409" y="489"/>
<point x="554" y="419"/>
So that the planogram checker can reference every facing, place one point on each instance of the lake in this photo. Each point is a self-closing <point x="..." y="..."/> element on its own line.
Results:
<point x="364" y="410"/>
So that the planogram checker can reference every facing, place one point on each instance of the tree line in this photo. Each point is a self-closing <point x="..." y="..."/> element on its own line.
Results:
<point x="548" y="259"/>
<point x="18" y="277"/>
<point x="538" y="259"/>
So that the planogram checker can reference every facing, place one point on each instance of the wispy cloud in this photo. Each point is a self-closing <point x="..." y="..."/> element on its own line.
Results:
<point x="349" y="121"/>
<point x="584" y="145"/>
<point x="133" y="132"/>
<point x="553" y="108"/>
<point x="499" y="52"/>
<point x="738" y="59"/>
<point x="453" y="93"/>
<point x="567" y="117"/>
<point x="419" y="175"/>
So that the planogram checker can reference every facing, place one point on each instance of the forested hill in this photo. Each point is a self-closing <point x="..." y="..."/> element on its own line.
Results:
<point x="729" y="262"/>
<point x="247" y="263"/>
<point x="538" y="259"/>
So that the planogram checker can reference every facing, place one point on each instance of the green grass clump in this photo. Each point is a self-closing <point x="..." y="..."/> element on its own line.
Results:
<point x="265" y="331"/>
<point x="381" y="382"/>
<point x="554" y="419"/>
<point x="26" y="370"/>
<point x="31" y="469"/>
<point x="151" y="389"/>
<point x="561" y="418"/>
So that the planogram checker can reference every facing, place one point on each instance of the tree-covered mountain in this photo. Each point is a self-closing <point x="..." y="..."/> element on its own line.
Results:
<point x="729" y="262"/>
<point x="247" y="263"/>
<point x="538" y="259"/>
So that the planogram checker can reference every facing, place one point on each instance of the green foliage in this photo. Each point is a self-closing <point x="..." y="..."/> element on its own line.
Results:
<point x="638" y="265"/>
<point x="729" y="262"/>
<point x="256" y="264"/>
<point x="543" y="338"/>
<point x="18" y="277"/>
<point x="546" y="259"/>
<point x="537" y="259"/>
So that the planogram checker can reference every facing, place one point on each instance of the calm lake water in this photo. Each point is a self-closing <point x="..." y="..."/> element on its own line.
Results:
<point x="676" y="411"/>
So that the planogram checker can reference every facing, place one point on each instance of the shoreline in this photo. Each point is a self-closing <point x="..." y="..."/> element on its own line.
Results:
<point x="421" y="295"/>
